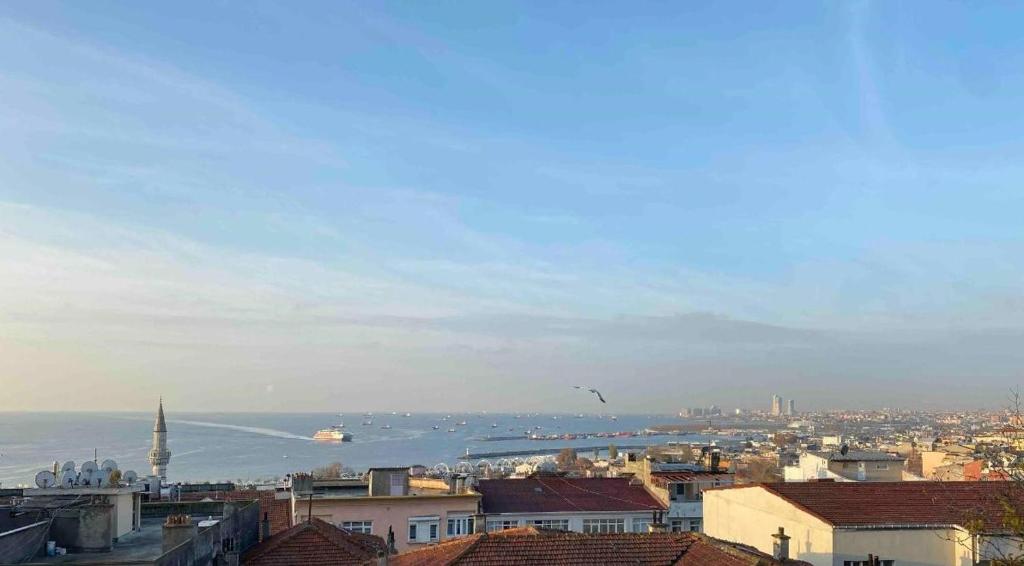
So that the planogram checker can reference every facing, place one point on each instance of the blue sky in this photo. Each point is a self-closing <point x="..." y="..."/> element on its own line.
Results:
<point x="386" y="203"/>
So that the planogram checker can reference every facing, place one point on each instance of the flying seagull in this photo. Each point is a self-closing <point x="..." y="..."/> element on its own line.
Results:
<point x="594" y="391"/>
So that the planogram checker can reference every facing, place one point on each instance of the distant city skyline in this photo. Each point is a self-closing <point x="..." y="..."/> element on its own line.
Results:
<point x="345" y="206"/>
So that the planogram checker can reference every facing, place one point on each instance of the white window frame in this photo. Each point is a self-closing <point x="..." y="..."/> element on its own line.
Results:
<point x="641" y="525"/>
<point x="459" y="525"/>
<point x="501" y="524"/>
<point x="364" y="527"/>
<point x="553" y="524"/>
<point x="604" y="525"/>
<point x="424" y="529"/>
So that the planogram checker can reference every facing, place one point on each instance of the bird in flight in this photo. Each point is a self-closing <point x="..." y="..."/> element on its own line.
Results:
<point x="594" y="391"/>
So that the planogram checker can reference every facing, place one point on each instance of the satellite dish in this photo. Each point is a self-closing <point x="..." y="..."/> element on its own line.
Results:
<point x="68" y="479"/>
<point x="46" y="478"/>
<point x="89" y="466"/>
<point x="68" y="466"/>
<point x="130" y="477"/>
<point x="85" y="477"/>
<point x="101" y="478"/>
<point x="109" y="466"/>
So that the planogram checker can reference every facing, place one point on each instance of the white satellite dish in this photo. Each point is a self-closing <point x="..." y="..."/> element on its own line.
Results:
<point x="88" y="466"/>
<point x="68" y="479"/>
<point x="68" y="466"/>
<point x="85" y="477"/>
<point x="130" y="477"/>
<point x="101" y="478"/>
<point x="46" y="478"/>
<point x="109" y="466"/>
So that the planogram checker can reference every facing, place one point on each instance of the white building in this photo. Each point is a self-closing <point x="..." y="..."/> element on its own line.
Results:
<point x="849" y="466"/>
<point x="842" y="523"/>
<point x="585" y="505"/>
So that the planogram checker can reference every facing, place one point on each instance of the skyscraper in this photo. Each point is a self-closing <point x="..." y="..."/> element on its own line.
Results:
<point x="159" y="456"/>
<point x="776" y="406"/>
<point x="790" y="408"/>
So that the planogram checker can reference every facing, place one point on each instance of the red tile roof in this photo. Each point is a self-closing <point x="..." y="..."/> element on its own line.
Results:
<point x="912" y="503"/>
<point x="529" y="545"/>
<point x="315" y="543"/>
<point x="549" y="494"/>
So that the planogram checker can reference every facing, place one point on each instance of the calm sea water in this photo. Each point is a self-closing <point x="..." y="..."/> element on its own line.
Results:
<point x="253" y="446"/>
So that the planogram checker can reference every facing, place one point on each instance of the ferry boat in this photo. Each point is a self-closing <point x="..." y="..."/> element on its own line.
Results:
<point x="334" y="434"/>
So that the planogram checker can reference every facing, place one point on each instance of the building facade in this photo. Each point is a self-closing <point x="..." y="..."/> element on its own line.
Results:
<point x="416" y="512"/>
<point x="583" y="505"/>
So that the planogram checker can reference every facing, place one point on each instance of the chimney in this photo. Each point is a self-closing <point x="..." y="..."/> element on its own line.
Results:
<point x="479" y="523"/>
<point x="716" y="458"/>
<point x="460" y="485"/>
<point x="265" y="527"/>
<point x="657" y="524"/>
<point x="177" y="530"/>
<point x="780" y="546"/>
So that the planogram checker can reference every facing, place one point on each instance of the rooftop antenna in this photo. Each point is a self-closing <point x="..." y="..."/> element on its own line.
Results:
<point x="45" y="479"/>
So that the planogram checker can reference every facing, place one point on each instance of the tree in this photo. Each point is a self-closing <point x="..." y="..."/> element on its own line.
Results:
<point x="613" y="452"/>
<point x="330" y="471"/>
<point x="566" y="459"/>
<point x="758" y="470"/>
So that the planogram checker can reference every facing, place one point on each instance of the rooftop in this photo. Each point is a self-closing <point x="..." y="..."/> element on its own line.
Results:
<point x="529" y="545"/>
<point x="315" y="543"/>
<point x="661" y="478"/>
<point x="143" y="545"/>
<point x="859" y="456"/>
<point x="907" y="504"/>
<point x="558" y="494"/>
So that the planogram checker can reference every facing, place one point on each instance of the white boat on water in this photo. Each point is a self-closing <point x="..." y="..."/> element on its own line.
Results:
<point x="333" y="434"/>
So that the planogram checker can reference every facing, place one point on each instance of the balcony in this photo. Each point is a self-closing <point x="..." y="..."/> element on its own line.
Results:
<point x="685" y="509"/>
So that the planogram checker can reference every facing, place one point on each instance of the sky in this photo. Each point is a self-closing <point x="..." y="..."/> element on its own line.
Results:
<point x="442" y="206"/>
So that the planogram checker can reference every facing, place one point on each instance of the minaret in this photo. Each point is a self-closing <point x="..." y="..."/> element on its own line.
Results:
<point x="159" y="456"/>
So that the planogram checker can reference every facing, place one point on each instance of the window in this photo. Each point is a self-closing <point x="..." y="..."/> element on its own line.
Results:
<point x="693" y="525"/>
<point x="556" y="524"/>
<point x="502" y="525"/>
<point x="604" y="525"/>
<point x="424" y="529"/>
<point x="676" y="525"/>
<point x="365" y="527"/>
<point x="460" y="525"/>
<point x="881" y="466"/>
<point x="641" y="525"/>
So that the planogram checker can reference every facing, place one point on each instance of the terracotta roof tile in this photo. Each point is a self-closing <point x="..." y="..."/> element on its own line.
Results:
<point x="315" y="543"/>
<point x="853" y="504"/>
<point x="558" y="494"/>
<point x="536" y="546"/>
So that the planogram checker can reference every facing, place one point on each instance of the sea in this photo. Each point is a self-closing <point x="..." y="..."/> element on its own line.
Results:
<point x="251" y="447"/>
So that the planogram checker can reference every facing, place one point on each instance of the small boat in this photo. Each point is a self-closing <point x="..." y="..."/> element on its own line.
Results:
<point x="451" y="430"/>
<point x="579" y="416"/>
<point x="435" y="427"/>
<point x="333" y="434"/>
<point x="386" y="427"/>
<point x="463" y="423"/>
<point x="407" y="415"/>
<point x="368" y="423"/>
<point x="495" y="425"/>
<point x="614" y="418"/>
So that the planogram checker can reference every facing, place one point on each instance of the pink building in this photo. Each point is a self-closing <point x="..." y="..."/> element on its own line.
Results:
<point x="417" y="511"/>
